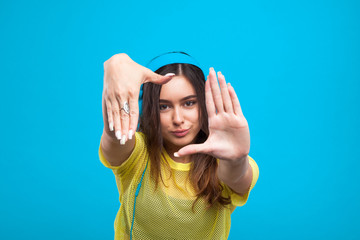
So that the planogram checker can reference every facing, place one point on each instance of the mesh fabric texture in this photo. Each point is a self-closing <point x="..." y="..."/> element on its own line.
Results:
<point x="166" y="213"/>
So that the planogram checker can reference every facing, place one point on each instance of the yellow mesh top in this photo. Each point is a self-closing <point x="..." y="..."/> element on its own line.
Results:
<point x="167" y="212"/>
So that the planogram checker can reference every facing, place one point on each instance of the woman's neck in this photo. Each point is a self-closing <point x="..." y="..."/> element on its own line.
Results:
<point x="172" y="149"/>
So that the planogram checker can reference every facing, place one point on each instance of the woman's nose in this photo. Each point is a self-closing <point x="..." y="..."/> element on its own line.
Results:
<point x="177" y="116"/>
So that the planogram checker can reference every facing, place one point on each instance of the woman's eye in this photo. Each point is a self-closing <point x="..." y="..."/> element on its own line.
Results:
<point x="189" y="103"/>
<point x="163" y="106"/>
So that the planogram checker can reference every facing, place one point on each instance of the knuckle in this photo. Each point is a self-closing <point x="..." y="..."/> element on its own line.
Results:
<point x="124" y="116"/>
<point x="109" y="97"/>
<point x="118" y="93"/>
<point x="133" y="113"/>
<point x="116" y="112"/>
<point x="156" y="78"/>
<point x="118" y="97"/>
<point x="132" y="93"/>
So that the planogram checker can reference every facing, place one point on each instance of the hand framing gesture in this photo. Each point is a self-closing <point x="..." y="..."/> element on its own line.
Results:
<point x="122" y="80"/>
<point x="229" y="137"/>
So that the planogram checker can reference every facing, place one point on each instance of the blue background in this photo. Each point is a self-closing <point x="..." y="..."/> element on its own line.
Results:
<point x="294" y="64"/>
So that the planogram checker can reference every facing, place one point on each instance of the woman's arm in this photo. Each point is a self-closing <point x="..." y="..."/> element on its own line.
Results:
<point x="237" y="175"/>
<point x="122" y="80"/>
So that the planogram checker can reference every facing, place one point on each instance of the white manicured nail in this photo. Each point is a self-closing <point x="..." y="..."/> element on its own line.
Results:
<point x="111" y="126"/>
<point x="122" y="142"/>
<point x="169" y="74"/>
<point x="118" y="134"/>
<point x="176" y="154"/>
<point x="130" y="134"/>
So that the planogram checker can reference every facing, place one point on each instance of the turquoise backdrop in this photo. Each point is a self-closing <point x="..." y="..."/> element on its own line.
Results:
<point x="294" y="64"/>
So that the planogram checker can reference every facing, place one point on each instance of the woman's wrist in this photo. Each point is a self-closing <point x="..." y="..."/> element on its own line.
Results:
<point x="233" y="170"/>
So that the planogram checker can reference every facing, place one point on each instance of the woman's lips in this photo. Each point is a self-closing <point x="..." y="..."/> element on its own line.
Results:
<point x="180" y="133"/>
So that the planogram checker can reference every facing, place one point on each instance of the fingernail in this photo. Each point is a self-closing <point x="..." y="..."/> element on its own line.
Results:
<point x="130" y="134"/>
<point x="229" y="84"/>
<point x="176" y="154"/>
<point x="111" y="126"/>
<point x="211" y="69"/>
<point x="118" y="134"/>
<point x="123" y="139"/>
<point x="169" y="74"/>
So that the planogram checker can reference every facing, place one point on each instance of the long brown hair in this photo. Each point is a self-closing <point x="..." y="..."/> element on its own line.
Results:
<point x="203" y="174"/>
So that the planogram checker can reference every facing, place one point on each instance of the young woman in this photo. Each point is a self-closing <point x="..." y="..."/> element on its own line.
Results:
<point x="182" y="174"/>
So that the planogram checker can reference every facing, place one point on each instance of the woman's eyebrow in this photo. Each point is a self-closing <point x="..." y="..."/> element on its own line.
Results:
<point x="183" y="99"/>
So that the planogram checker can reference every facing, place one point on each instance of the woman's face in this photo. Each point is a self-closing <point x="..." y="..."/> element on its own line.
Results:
<point x="179" y="113"/>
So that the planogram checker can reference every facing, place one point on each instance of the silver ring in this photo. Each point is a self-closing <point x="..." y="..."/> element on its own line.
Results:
<point x="126" y="107"/>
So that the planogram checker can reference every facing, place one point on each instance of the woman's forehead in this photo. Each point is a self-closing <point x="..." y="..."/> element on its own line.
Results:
<point x="177" y="87"/>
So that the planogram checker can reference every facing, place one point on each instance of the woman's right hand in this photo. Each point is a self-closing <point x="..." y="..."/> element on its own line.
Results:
<point x="122" y="81"/>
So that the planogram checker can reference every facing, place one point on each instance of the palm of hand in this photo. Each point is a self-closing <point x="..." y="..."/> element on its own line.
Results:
<point x="229" y="137"/>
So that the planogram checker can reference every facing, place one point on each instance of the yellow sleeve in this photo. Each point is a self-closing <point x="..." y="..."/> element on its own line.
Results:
<point x="240" y="200"/>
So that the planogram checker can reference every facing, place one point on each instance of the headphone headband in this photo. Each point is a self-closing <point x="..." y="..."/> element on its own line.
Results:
<point x="170" y="58"/>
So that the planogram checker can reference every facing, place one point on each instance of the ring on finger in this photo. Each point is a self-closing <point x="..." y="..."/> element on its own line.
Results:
<point x="126" y="108"/>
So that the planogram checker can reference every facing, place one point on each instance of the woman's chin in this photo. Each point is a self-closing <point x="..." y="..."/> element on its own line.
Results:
<point x="177" y="143"/>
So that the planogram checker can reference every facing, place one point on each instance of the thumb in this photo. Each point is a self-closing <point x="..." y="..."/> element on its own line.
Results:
<point x="192" y="149"/>
<point x="153" y="77"/>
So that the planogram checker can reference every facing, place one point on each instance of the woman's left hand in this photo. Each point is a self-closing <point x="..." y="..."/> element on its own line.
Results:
<point x="229" y="137"/>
